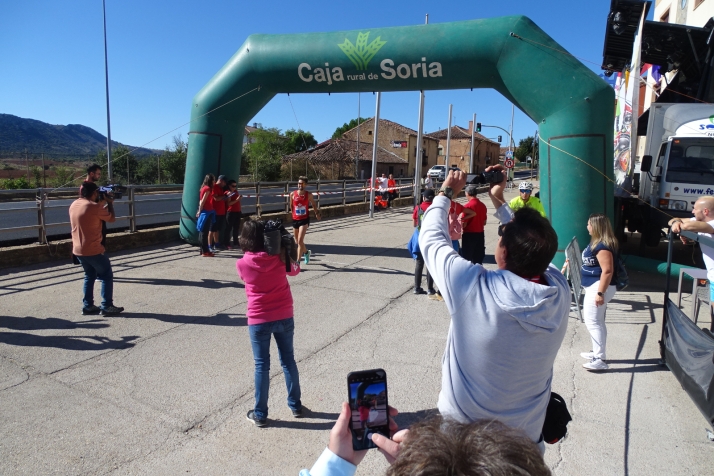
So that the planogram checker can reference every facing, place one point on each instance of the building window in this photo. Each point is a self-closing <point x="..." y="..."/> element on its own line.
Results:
<point x="441" y="150"/>
<point x="369" y="133"/>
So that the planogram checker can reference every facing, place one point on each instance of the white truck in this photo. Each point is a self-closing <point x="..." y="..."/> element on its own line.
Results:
<point x="676" y="168"/>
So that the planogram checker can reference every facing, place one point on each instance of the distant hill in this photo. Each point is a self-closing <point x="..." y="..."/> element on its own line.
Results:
<point x="18" y="134"/>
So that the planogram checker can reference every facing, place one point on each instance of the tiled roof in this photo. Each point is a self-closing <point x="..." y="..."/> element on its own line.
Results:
<point x="458" y="132"/>
<point x="335" y="150"/>
<point x="392" y="124"/>
<point x="249" y="129"/>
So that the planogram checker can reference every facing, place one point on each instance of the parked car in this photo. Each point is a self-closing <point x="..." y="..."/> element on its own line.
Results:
<point x="436" y="170"/>
<point x="442" y="173"/>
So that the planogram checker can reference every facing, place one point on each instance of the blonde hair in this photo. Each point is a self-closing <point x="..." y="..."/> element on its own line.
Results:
<point x="601" y="232"/>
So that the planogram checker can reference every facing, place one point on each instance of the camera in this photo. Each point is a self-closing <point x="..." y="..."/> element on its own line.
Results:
<point x="115" y="191"/>
<point x="495" y="176"/>
<point x="277" y="239"/>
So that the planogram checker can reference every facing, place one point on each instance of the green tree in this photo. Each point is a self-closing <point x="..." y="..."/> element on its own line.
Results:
<point x="173" y="161"/>
<point x="36" y="176"/>
<point x="264" y="154"/>
<point x="299" y="140"/>
<point x="124" y="164"/>
<point x="65" y="177"/>
<point x="19" y="183"/>
<point x="346" y="127"/>
<point x="525" y="146"/>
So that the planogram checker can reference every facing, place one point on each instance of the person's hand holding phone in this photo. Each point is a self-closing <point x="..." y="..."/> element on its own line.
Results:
<point x="341" y="438"/>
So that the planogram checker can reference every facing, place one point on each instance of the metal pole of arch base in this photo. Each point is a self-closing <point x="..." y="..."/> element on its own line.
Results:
<point x="419" y="151"/>
<point x="110" y="176"/>
<point x="374" y="156"/>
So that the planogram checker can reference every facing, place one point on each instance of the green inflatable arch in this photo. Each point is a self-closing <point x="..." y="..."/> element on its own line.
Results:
<point x="571" y="105"/>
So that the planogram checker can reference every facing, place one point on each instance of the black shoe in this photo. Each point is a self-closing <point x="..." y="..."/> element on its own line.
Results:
<point x="430" y="292"/>
<point x="297" y="413"/>
<point x="419" y="291"/>
<point x="111" y="310"/>
<point x="255" y="420"/>
<point x="90" y="310"/>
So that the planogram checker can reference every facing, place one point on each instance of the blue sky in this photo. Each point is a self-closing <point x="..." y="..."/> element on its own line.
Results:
<point x="162" y="53"/>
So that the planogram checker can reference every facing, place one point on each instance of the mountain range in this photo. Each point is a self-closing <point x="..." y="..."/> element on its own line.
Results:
<point x="18" y="134"/>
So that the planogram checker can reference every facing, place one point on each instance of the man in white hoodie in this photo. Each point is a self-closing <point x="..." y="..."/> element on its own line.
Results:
<point x="506" y="325"/>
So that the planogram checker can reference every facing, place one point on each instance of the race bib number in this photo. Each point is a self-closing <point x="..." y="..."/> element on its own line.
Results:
<point x="300" y="210"/>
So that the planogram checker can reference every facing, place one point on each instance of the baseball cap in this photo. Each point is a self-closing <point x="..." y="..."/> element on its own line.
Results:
<point x="428" y="194"/>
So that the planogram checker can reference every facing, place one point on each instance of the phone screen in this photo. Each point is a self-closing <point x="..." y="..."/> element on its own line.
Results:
<point x="367" y="396"/>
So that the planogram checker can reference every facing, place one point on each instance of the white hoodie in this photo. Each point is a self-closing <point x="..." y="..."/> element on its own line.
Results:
<point x="504" y="335"/>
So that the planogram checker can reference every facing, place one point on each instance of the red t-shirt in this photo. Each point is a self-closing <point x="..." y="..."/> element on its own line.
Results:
<point x="208" y="206"/>
<point x="475" y="224"/>
<point x="391" y="183"/>
<point x="235" y="207"/>
<point x="423" y="206"/>
<point x="219" y="205"/>
<point x="300" y="205"/>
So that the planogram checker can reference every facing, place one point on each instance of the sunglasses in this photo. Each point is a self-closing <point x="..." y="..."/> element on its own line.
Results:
<point x="500" y="229"/>
<point x="525" y="191"/>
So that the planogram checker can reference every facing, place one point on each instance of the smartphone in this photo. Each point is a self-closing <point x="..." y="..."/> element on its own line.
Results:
<point x="367" y="396"/>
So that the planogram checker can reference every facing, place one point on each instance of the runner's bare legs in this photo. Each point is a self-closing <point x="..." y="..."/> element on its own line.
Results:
<point x="300" y="239"/>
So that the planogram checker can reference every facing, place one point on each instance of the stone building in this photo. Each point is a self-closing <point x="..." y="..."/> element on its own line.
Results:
<point x="487" y="150"/>
<point x="399" y="140"/>
<point x="335" y="159"/>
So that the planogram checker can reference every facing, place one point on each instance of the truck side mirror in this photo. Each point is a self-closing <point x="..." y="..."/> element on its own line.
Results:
<point x="646" y="163"/>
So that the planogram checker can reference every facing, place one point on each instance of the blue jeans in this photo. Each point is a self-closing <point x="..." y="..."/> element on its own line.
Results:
<point x="283" y="331"/>
<point x="97" y="266"/>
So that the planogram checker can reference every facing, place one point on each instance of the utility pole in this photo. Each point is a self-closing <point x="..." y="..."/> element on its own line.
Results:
<point x="110" y="176"/>
<point x="359" y="103"/>
<point x="448" y="142"/>
<point x="419" y="152"/>
<point x="374" y="156"/>
<point x="44" y="177"/>
<point x="473" y="143"/>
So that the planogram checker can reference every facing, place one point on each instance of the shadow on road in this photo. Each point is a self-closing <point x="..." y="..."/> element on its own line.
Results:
<point x="203" y="283"/>
<point x="225" y="320"/>
<point x="66" y="342"/>
<point x="30" y="323"/>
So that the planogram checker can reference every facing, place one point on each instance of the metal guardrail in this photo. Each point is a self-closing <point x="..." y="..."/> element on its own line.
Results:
<point x="350" y="191"/>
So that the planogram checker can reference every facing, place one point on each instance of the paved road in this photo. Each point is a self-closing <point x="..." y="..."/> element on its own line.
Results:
<point x="146" y="204"/>
<point x="164" y="389"/>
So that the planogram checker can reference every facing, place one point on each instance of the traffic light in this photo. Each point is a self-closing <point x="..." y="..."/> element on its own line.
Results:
<point x="478" y="127"/>
<point x="500" y="138"/>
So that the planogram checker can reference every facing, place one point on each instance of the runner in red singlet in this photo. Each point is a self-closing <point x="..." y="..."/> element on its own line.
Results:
<point x="300" y="201"/>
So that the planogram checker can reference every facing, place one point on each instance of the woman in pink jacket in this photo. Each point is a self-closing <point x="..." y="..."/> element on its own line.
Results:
<point x="270" y="313"/>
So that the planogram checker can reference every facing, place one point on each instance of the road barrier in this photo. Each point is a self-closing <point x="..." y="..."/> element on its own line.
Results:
<point x="260" y="195"/>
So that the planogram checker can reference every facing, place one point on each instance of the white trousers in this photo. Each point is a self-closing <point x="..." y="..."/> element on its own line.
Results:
<point x="594" y="317"/>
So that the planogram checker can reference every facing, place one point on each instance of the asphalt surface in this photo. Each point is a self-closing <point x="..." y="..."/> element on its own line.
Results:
<point x="164" y="389"/>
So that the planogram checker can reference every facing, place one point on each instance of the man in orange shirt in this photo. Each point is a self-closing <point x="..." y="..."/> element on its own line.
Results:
<point x="86" y="215"/>
<point x="391" y="189"/>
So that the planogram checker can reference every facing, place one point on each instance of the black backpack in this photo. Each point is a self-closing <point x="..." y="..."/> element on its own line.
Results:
<point x="557" y="417"/>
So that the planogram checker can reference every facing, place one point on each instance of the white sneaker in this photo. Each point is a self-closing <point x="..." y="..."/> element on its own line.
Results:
<point x="587" y="355"/>
<point x="596" y="364"/>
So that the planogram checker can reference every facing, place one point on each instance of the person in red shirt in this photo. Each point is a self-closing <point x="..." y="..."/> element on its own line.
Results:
<point x="233" y="215"/>
<point x="300" y="201"/>
<point x="391" y="189"/>
<point x="219" y="204"/>
<point x="473" y="244"/>
<point x="206" y="215"/>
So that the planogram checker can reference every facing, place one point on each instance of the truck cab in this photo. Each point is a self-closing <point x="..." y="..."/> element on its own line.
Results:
<point x="678" y="166"/>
